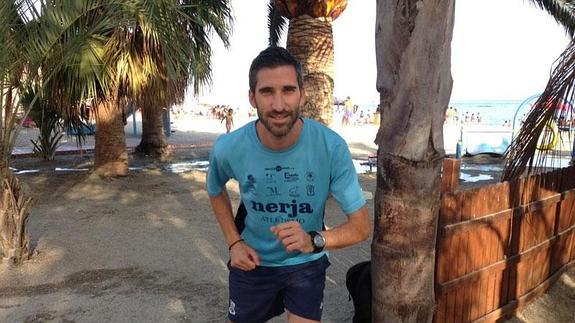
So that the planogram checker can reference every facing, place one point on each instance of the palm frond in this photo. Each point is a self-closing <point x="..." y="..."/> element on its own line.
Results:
<point x="562" y="10"/>
<point x="82" y="51"/>
<point x="553" y="107"/>
<point x="200" y="19"/>
<point x="276" y="24"/>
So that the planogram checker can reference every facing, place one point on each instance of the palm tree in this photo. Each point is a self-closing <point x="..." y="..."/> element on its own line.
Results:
<point x="80" y="54"/>
<point x="521" y="157"/>
<point x="413" y="102"/>
<point x="28" y="46"/>
<point x="98" y="72"/>
<point x="39" y="41"/>
<point x="131" y="50"/>
<point x="414" y="80"/>
<point x="310" y="40"/>
<point x="161" y="93"/>
<point x="14" y="204"/>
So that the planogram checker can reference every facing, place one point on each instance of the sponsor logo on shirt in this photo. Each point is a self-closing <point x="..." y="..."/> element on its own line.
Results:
<point x="251" y="185"/>
<point x="310" y="190"/>
<point x="293" y="191"/>
<point x="290" y="209"/>
<point x="309" y="176"/>
<point x="270" y="178"/>
<point x="279" y="168"/>
<point x="272" y="191"/>
<point x="291" y="177"/>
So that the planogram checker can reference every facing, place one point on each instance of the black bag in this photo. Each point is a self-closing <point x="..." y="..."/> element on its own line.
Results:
<point x="358" y="282"/>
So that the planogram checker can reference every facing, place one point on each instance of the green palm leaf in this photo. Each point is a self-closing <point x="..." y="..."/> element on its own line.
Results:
<point x="562" y="10"/>
<point x="276" y="24"/>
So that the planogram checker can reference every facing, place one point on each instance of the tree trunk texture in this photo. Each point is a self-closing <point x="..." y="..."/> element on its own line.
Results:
<point x="8" y="107"/>
<point x="14" y="209"/>
<point x="153" y="142"/>
<point x="310" y="40"/>
<point x="111" y="156"/>
<point x="413" y="51"/>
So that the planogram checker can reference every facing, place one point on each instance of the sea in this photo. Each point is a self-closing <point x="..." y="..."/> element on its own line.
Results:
<point x="492" y="112"/>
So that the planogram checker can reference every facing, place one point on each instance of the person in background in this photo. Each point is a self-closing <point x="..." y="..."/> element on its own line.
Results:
<point x="229" y="117"/>
<point x="348" y="111"/>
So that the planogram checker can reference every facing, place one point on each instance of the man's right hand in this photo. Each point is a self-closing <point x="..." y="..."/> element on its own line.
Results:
<point x="243" y="257"/>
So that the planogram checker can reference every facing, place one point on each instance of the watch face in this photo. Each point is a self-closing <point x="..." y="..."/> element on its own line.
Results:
<point x="319" y="241"/>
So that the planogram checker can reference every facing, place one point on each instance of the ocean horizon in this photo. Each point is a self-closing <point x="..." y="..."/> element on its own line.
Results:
<point x="492" y="112"/>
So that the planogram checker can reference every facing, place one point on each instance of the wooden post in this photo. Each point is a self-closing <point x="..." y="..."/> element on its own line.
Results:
<point x="450" y="177"/>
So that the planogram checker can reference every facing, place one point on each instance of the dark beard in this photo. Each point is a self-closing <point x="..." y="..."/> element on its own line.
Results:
<point x="278" y="131"/>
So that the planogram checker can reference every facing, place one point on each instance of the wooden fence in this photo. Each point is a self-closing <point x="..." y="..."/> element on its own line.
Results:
<point x="502" y="245"/>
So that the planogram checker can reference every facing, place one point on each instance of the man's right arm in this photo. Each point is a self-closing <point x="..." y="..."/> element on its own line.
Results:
<point x="242" y="256"/>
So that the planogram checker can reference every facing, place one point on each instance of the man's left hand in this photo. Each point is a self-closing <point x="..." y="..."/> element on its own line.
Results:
<point x="293" y="237"/>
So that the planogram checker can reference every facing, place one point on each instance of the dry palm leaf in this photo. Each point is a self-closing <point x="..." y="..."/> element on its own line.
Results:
<point x="534" y="149"/>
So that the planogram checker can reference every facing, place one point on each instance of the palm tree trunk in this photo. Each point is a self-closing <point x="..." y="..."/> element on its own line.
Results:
<point x="8" y="106"/>
<point x="310" y="40"/>
<point x="111" y="156"/>
<point x="153" y="140"/>
<point x="414" y="80"/>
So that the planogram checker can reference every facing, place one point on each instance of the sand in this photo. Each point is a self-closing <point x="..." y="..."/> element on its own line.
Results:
<point x="144" y="248"/>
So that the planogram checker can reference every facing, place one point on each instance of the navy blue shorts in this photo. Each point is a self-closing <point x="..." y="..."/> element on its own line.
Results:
<point x="260" y="294"/>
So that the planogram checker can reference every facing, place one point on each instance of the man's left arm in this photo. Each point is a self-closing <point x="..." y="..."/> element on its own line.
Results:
<point x="345" y="187"/>
<point x="355" y="230"/>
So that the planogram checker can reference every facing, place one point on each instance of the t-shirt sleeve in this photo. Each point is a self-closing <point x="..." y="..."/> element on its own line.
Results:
<point x="218" y="172"/>
<point x="344" y="184"/>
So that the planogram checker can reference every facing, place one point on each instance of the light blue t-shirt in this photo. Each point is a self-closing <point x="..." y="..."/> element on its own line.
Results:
<point x="288" y="185"/>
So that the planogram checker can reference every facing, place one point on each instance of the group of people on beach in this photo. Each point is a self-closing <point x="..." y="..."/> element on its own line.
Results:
<point x="452" y="117"/>
<point x="352" y="113"/>
<point x="219" y="111"/>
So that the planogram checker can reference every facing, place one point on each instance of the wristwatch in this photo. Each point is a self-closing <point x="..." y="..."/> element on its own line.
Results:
<point x="317" y="240"/>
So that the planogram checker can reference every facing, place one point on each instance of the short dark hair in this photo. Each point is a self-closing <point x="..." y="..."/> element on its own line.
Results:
<point x="274" y="57"/>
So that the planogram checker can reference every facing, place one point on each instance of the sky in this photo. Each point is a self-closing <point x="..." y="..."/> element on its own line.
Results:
<point x="501" y="50"/>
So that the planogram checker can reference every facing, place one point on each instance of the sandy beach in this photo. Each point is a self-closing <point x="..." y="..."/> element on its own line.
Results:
<point x="146" y="248"/>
